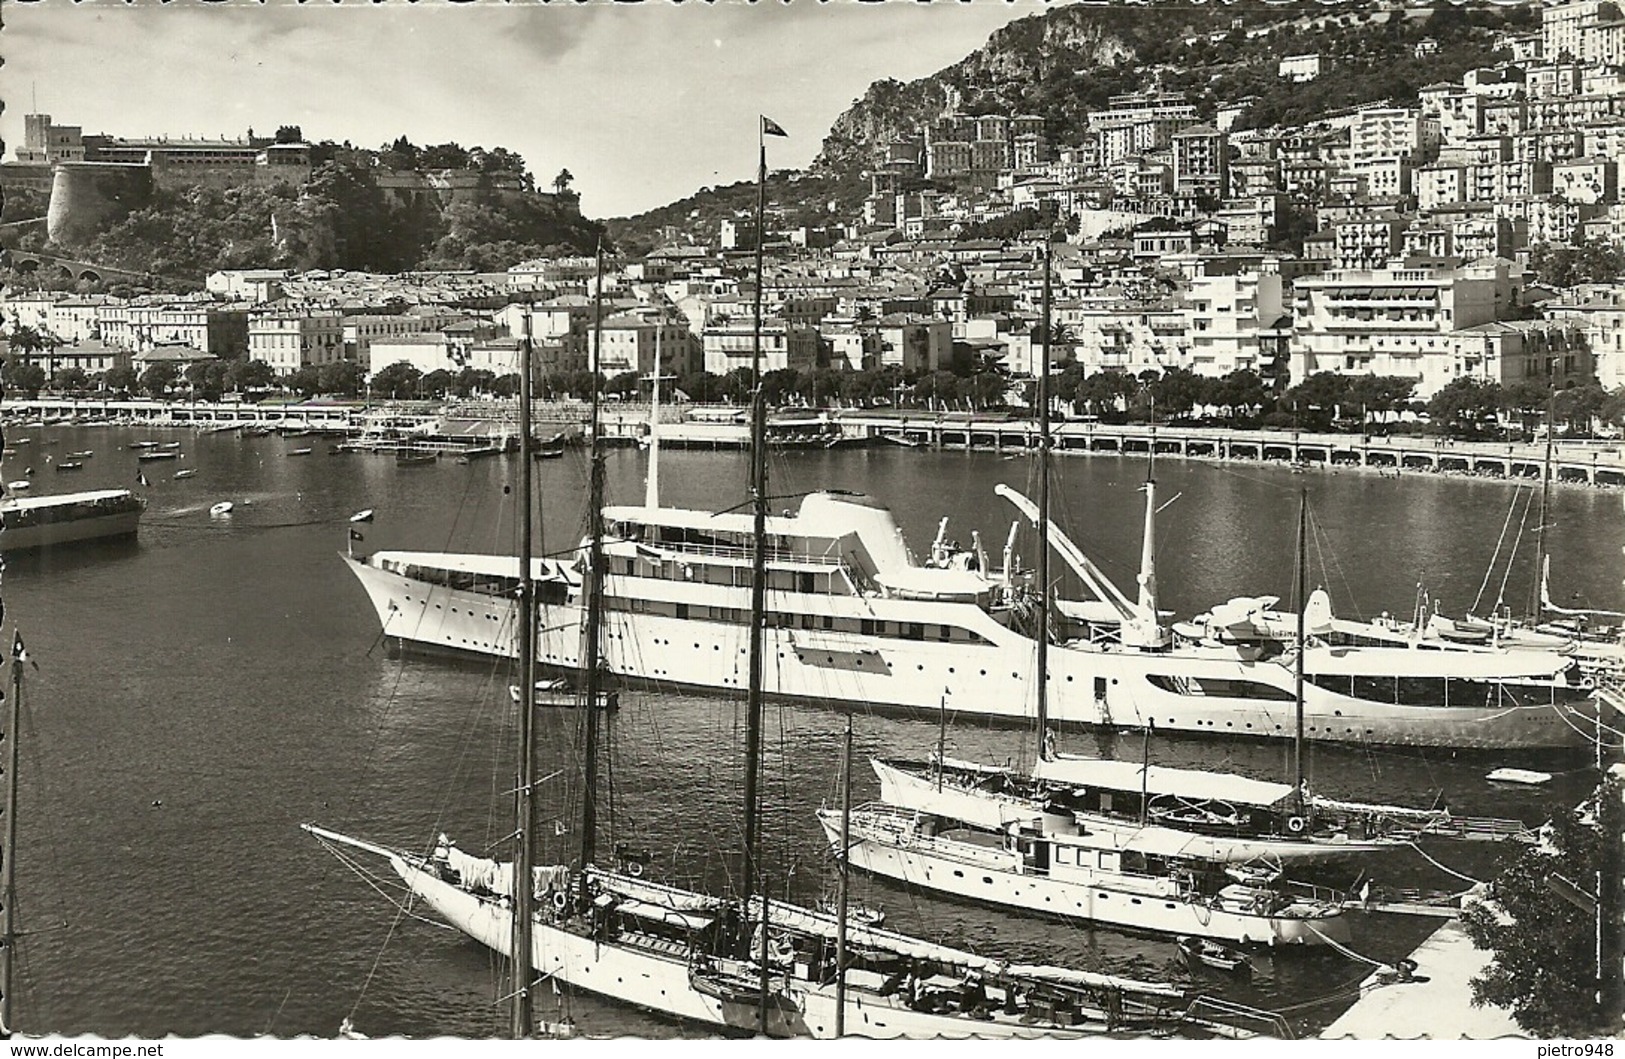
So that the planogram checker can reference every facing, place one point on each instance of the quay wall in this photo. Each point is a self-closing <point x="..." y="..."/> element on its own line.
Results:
<point x="1594" y="463"/>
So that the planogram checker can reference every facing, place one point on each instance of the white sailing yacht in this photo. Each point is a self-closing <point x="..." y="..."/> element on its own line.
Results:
<point x="744" y="964"/>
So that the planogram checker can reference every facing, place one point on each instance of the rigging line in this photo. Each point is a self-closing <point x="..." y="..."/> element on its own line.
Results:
<point x="1443" y="868"/>
<point x="1501" y="594"/>
<point x="1489" y="570"/>
<point x="1333" y="944"/>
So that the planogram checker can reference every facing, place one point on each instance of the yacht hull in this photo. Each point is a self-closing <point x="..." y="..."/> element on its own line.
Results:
<point x="660" y="982"/>
<point x="657" y="982"/>
<point x="984" y="876"/>
<point x="1091" y="688"/>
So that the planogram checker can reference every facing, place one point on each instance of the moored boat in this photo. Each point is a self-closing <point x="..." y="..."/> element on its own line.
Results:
<point x="1196" y="953"/>
<point x="66" y="518"/>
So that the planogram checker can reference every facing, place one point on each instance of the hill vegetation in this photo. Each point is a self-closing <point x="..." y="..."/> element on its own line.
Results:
<point x="343" y="219"/>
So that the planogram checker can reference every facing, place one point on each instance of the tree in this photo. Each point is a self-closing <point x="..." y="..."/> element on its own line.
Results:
<point x="397" y="381"/>
<point x="1544" y="968"/>
<point x="561" y="183"/>
<point x="120" y="380"/>
<point x="436" y="383"/>
<point x="1578" y="407"/>
<point x="472" y="380"/>
<point x="158" y="378"/>
<point x="1466" y="407"/>
<point x="306" y="382"/>
<point x="68" y="379"/>
<point x="342" y="377"/>
<point x="243" y="376"/>
<point x="206" y="379"/>
<point x="22" y="377"/>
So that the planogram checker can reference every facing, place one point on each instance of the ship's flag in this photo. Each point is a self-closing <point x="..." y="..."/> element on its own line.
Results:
<point x="141" y="479"/>
<point x="772" y="128"/>
<point x="355" y="535"/>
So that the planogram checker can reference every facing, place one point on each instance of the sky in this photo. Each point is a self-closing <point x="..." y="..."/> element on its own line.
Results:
<point x="644" y="103"/>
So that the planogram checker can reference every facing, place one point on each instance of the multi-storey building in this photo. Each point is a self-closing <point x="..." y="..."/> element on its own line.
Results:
<point x="1597" y="310"/>
<point x="1368" y="242"/>
<point x="1233" y="323"/>
<point x="1563" y="28"/>
<point x="1390" y="132"/>
<point x="728" y="343"/>
<point x="220" y="331"/>
<point x="362" y="329"/>
<point x="288" y="340"/>
<point x="1440" y="185"/>
<point x="915" y="342"/>
<point x="630" y="341"/>
<point x="1387" y="322"/>
<point x="1586" y="180"/>
<point x="1201" y="165"/>
<point x="1458" y="112"/>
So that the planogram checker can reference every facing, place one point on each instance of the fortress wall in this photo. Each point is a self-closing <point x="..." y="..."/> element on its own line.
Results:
<point x="86" y="197"/>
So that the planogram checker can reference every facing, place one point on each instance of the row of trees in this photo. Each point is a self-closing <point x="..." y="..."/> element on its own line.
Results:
<point x="1467" y="408"/>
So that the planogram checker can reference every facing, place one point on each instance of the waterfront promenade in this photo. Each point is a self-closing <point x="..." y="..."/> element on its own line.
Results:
<point x="1590" y="462"/>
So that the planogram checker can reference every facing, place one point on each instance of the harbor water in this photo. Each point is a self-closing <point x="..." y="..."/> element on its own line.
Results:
<point x="203" y="690"/>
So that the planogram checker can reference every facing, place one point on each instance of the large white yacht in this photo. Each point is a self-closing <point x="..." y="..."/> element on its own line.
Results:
<point x="854" y="617"/>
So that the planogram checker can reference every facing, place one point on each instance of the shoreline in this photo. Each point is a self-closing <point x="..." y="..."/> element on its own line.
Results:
<point x="1599" y="464"/>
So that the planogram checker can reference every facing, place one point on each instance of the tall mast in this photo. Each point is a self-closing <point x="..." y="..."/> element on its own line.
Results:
<point x="846" y="870"/>
<point x="594" y="589"/>
<point x="8" y="850"/>
<point x="758" y="578"/>
<point x="522" y="1011"/>
<point x="651" y="487"/>
<point x="1043" y="517"/>
<point x="1540" y="527"/>
<point x="1303" y="607"/>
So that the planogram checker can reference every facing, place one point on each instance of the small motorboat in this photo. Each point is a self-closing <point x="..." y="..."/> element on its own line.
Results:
<point x="142" y="445"/>
<point x="298" y="452"/>
<point x="548" y="454"/>
<point x="19" y="485"/>
<point x="362" y="516"/>
<point x="184" y="474"/>
<point x="222" y="508"/>
<point x="170" y="445"/>
<point x="1522" y="777"/>
<point x="1197" y="952"/>
<point x="159" y="454"/>
<point x="85" y="455"/>
<point x="69" y="465"/>
<point x="559" y="694"/>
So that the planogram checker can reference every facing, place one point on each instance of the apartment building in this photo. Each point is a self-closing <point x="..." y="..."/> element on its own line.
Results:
<point x="1387" y="322"/>
<point x="728" y="343"/>
<point x="288" y="340"/>
<point x="362" y="329"/>
<point x="1234" y="323"/>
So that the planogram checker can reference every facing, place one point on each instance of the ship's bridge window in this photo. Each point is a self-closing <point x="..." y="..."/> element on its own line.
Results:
<point x="1219" y="687"/>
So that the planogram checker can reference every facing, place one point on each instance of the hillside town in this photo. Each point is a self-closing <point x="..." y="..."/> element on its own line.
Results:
<point x="1468" y="236"/>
